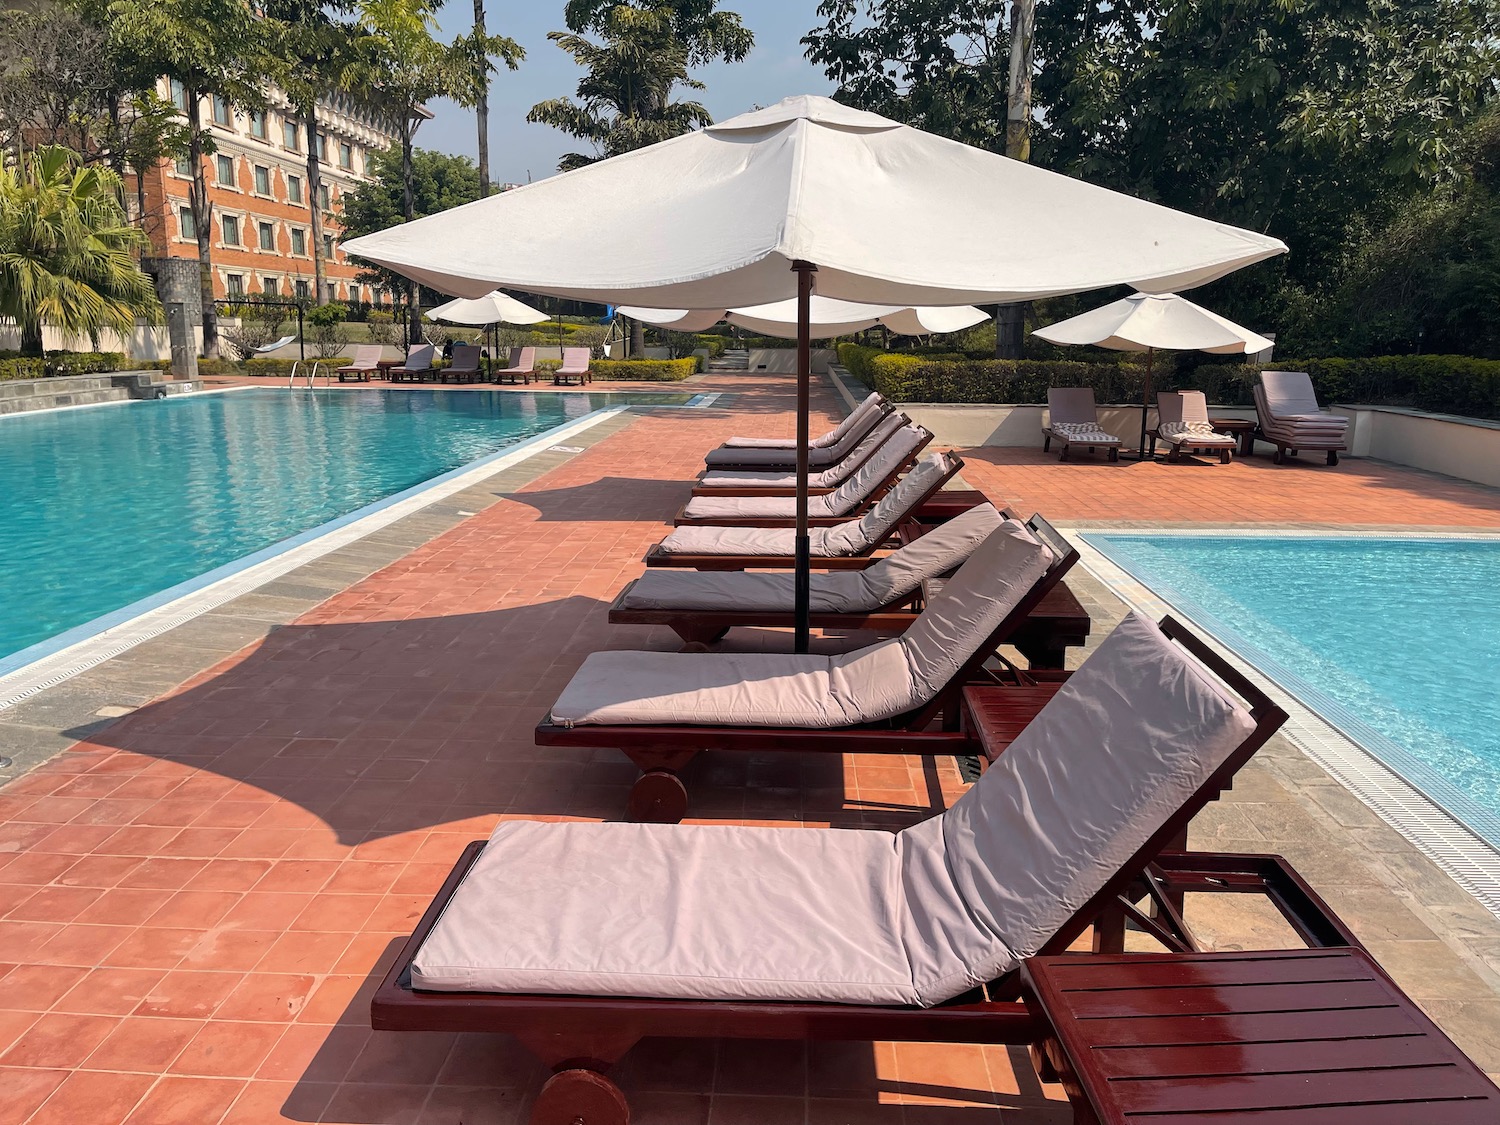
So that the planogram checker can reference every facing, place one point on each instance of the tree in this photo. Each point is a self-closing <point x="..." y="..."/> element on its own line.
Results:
<point x="438" y="181"/>
<point x="402" y="62"/>
<point x="57" y="77"/>
<point x="707" y="33"/>
<point x="479" y="43"/>
<point x="212" y="48"/>
<point x="68" y="250"/>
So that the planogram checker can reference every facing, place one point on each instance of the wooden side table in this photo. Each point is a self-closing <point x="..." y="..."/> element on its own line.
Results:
<point x="1243" y="428"/>
<point x="1287" y="1037"/>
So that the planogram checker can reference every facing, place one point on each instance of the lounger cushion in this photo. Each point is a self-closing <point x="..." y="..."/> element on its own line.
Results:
<point x="1192" y="433"/>
<point x="826" y="454"/>
<point x="879" y="446"/>
<point x="872" y="404"/>
<point x="826" y="506"/>
<point x="809" y="690"/>
<point x="1289" y="394"/>
<point x="1083" y="433"/>
<point x="847" y="591"/>
<point x="739" y="913"/>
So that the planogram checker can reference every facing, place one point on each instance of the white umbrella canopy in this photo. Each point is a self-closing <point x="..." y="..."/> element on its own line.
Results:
<point x="827" y="317"/>
<point x="493" y="308"/>
<point x="889" y="215"/>
<point x="1147" y="321"/>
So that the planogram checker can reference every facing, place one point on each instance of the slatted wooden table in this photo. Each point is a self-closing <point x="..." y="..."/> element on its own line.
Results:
<point x="1291" y="1037"/>
<point x="994" y="715"/>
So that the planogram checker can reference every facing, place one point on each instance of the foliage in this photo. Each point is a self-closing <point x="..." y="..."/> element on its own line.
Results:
<point x="56" y="79"/>
<point x="708" y="34"/>
<point x="644" y="370"/>
<point x="625" y="99"/>
<point x="282" y="368"/>
<point x="57" y="364"/>
<point x="326" y="316"/>
<point x="329" y="336"/>
<point x="439" y="181"/>
<point x="67" y="250"/>
<point x="1442" y="384"/>
<point x="381" y="327"/>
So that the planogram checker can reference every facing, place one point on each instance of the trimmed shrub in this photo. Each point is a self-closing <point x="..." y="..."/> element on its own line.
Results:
<point x="283" y="367"/>
<point x="645" y="370"/>
<point x="908" y="378"/>
<point x="56" y="363"/>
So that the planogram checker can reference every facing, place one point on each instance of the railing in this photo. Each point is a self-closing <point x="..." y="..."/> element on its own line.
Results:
<point x="312" y="373"/>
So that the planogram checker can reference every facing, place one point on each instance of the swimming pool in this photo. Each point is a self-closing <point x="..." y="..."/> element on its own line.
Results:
<point x="1396" y="642"/>
<point x="102" y="507"/>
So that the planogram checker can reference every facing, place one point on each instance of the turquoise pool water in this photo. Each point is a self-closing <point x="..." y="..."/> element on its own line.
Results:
<point x="102" y="507"/>
<point x="1394" y="641"/>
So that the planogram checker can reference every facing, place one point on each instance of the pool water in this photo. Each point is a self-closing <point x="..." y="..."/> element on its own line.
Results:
<point x="1394" y="641"/>
<point x="102" y="507"/>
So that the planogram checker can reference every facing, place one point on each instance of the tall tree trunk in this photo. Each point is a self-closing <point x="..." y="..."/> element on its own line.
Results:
<point x="1010" y="334"/>
<point x="409" y="212"/>
<point x="31" y="338"/>
<point x="637" y="340"/>
<point x="203" y="222"/>
<point x="482" y="108"/>
<point x="315" y="201"/>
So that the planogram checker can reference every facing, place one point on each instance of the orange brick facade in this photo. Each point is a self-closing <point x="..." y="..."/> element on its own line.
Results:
<point x="257" y="181"/>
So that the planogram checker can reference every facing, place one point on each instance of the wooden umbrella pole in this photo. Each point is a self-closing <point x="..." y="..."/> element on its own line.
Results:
<point x="1145" y="407"/>
<point x="802" y="573"/>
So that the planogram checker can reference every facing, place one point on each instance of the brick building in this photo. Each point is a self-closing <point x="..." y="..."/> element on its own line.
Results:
<point x="257" y="186"/>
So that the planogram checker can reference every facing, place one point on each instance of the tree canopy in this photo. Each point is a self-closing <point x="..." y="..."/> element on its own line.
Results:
<point x="439" y="181"/>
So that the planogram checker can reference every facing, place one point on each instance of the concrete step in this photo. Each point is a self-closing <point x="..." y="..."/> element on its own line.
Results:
<point x="81" y="397"/>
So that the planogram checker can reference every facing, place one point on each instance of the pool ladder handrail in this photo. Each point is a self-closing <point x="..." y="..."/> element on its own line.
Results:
<point x="311" y="375"/>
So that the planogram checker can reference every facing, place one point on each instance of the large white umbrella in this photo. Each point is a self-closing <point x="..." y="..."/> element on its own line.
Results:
<point x="749" y="211"/>
<point x="493" y="308"/>
<point x="827" y="317"/>
<point x="1148" y="321"/>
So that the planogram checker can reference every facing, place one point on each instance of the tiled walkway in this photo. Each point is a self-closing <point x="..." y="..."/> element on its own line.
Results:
<point x="195" y="902"/>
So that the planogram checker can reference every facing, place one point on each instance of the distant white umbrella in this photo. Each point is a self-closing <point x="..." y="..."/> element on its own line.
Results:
<point x="751" y="210"/>
<point x="492" y="308"/>
<point x="827" y="317"/>
<point x="1144" y="322"/>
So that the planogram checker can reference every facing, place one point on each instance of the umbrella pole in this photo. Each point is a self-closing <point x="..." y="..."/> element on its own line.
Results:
<point x="1145" y="407"/>
<point x="802" y="573"/>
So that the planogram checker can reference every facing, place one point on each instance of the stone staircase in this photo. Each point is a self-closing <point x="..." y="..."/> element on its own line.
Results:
<point x="20" y="395"/>
<point x="731" y="361"/>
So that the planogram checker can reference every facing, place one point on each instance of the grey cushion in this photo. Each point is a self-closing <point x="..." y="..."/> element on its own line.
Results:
<point x="839" y="447"/>
<point x="885" y="430"/>
<point x="872" y="404"/>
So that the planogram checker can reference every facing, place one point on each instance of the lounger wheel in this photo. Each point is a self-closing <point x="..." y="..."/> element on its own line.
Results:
<point x="580" y="1097"/>
<point x="1333" y="456"/>
<point x="657" y="797"/>
<point x="1224" y="456"/>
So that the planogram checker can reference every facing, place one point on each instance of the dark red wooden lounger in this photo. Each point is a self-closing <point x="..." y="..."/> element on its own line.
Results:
<point x="881" y="488"/>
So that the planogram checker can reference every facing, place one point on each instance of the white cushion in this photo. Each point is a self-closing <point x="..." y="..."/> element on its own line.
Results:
<point x="739" y="913"/>
<point x="1195" y="433"/>
<point x="1288" y="393"/>
<point x="1084" y="432"/>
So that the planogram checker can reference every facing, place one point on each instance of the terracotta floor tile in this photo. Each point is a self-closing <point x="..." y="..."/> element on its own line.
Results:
<point x="187" y="994"/>
<point x="26" y="1089"/>
<point x="488" y="1106"/>
<point x="263" y="1102"/>
<point x="125" y="906"/>
<point x="145" y="1045"/>
<point x="82" y="945"/>
<point x="109" y="991"/>
<point x="228" y="950"/>
<point x="59" y="1039"/>
<point x="36" y="868"/>
<point x="164" y="873"/>
<point x="186" y="1101"/>
<point x="305" y="953"/>
<point x="153" y="949"/>
<point x="93" y="1096"/>
<point x="376" y="1105"/>
<point x="188" y="908"/>
<point x="738" y="1109"/>
<point x="223" y="1049"/>
<point x="36" y="988"/>
<point x="336" y="913"/>
<point x="272" y="997"/>
<point x="53" y="904"/>
<point x="228" y="874"/>
<point x="14" y="1022"/>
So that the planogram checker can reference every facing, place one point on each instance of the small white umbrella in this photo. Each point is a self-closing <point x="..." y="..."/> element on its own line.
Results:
<point x="492" y="308"/>
<point x="826" y="317"/>
<point x="1148" y="321"/>
<point x="752" y="209"/>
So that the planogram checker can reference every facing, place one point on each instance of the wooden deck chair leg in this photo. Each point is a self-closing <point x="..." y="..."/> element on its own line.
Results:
<point x="1333" y="456"/>
<point x="699" y="634"/>
<point x="658" y="795"/>
<point x="578" y="1090"/>
<point x="1046" y="443"/>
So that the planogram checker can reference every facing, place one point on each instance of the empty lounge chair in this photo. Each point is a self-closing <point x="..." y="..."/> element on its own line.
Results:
<point x="575" y="366"/>
<point x="464" y="367"/>
<point x="783" y="482"/>
<point x="583" y="938"/>
<point x="418" y="365"/>
<point x="1291" y="419"/>
<point x="844" y="546"/>
<point x="1073" y="419"/>
<point x="781" y="453"/>
<point x="364" y="366"/>
<point x="1182" y="422"/>
<point x="520" y="367"/>
<point x="662" y="708"/>
<point x="854" y="496"/>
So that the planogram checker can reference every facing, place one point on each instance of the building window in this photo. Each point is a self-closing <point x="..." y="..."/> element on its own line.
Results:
<point x="262" y="180"/>
<point x="302" y="291"/>
<point x="346" y="155"/>
<point x="333" y="291"/>
<point x="234" y="284"/>
<point x="179" y="95"/>
<point x="231" y="225"/>
<point x="185" y="219"/>
<point x="182" y="166"/>
<point x="320" y="145"/>
<point x="289" y="135"/>
<point x="328" y="247"/>
<point x="267" y="236"/>
<point x="221" y="111"/>
<point x="299" y="242"/>
<point x="270" y="287"/>
<point x="258" y="124"/>
<point x="294" y="189"/>
<point x="324" y="199"/>
<point x="226" y="170"/>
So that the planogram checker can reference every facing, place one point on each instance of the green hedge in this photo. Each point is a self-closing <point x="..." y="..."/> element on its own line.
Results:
<point x="276" y="367"/>
<point x="645" y="370"/>
<point x="57" y="364"/>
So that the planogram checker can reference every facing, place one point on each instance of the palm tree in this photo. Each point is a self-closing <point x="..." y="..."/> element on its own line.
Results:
<point x="68" y="250"/>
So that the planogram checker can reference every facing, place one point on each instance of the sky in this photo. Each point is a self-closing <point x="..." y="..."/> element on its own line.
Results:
<point x="774" y="69"/>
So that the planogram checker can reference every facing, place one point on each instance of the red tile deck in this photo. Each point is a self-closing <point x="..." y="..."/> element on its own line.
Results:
<point x="195" y="903"/>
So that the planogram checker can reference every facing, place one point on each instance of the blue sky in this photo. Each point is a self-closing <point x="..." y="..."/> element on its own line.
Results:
<point x="774" y="70"/>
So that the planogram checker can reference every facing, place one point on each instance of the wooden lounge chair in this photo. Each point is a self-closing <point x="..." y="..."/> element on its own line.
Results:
<point x="363" y="367"/>
<point x="783" y="482"/>
<point x="575" y="366"/>
<point x="1073" y="419"/>
<point x="780" y="454"/>
<point x="624" y="932"/>
<point x="846" y="546"/>
<point x="418" y="365"/>
<point x="464" y="366"/>
<point x="1291" y="419"/>
<point x="898" y="696"/>
<point x="702" y="606"/>
<point x="1182" y="422"/>
<point x="848" y="501"/>
<point x="520" y="367"/>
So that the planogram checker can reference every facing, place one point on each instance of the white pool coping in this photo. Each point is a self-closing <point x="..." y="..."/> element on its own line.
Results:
<point x="50" y="662"/>
<point x="1466" y="858"/>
